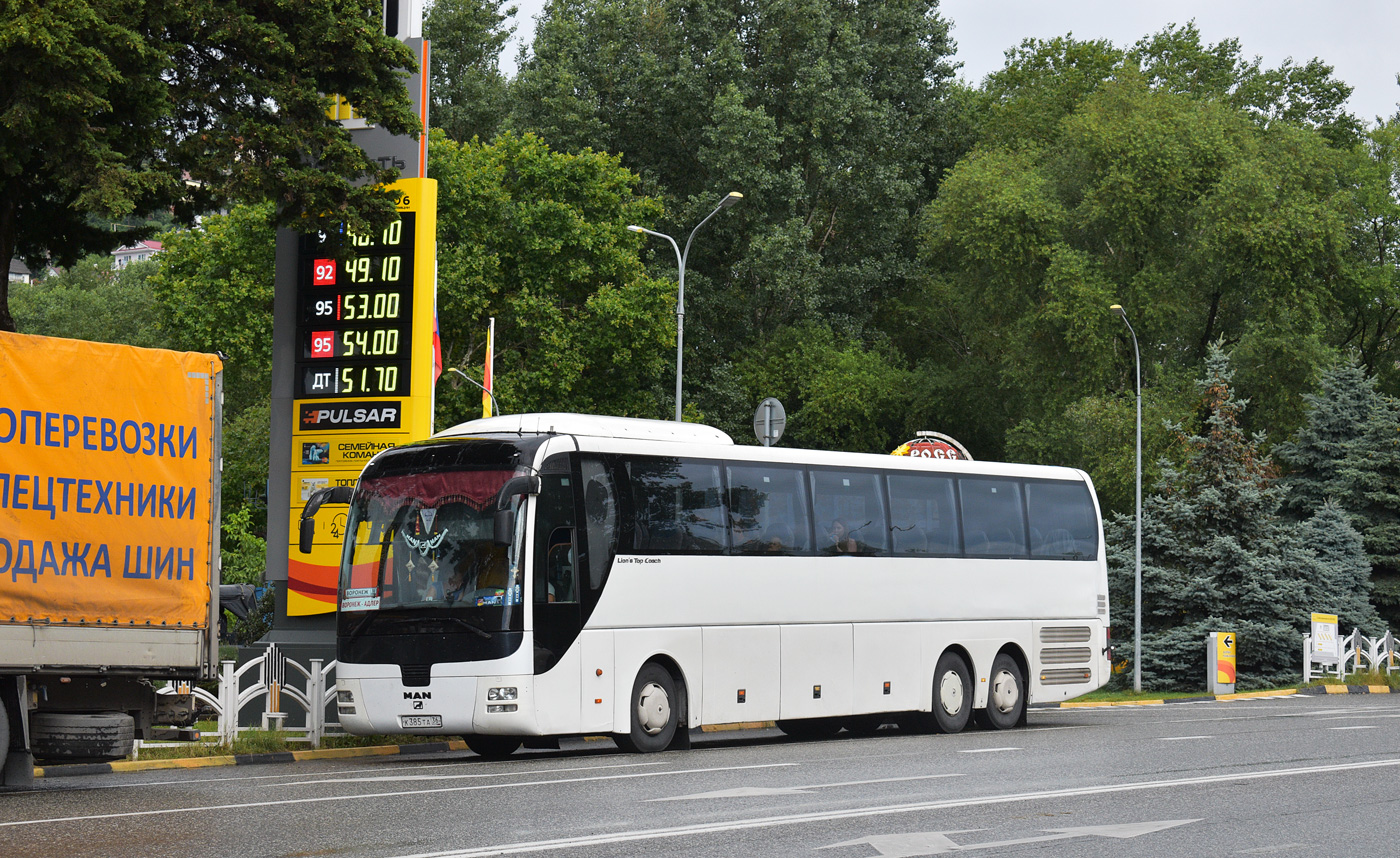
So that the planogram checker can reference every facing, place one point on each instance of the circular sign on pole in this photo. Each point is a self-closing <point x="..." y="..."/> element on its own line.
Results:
<point x="768" y="421"/>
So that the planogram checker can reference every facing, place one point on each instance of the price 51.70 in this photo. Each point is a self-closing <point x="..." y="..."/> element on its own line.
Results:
<point x="369" y="379"/>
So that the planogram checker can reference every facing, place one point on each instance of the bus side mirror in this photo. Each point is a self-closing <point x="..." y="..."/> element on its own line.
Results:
<point x="333" y="494"/>
<point x="308" y="533"/>
<point x="503" y="522"/>
<point x="503" y="527"/>
<point x="522" y="485"/>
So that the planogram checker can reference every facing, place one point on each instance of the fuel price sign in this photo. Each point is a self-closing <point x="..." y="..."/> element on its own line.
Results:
<point x="363" y="377"/>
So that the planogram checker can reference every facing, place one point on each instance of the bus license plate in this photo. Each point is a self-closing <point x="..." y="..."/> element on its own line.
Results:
<point x="420" y="720"/>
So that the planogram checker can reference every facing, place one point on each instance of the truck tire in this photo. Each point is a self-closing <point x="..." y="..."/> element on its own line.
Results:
<point x="88" y="737"/>
<point x="4" y="736"/>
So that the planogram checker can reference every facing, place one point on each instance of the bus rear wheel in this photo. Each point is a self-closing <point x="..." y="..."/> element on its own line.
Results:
<point x="952" y="694"/>
<point x="1006" y="698"/>
<point x="656" y="712"/>
<point x="493" y="747"/>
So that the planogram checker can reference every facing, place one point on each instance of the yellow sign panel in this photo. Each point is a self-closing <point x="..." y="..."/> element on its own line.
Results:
<point x="1225" y="658"/>
<point x="364" y="374"/>
<point x="106" y="483"/>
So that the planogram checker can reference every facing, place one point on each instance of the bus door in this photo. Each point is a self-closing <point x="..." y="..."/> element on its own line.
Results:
<point x="556" y="572"/>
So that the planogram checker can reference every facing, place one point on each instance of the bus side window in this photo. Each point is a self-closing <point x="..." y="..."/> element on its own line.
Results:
<point x="849" y="512"/>
<point x="768" y="509"/>
<point x="1063" y="523"/>
<point x="560" y="575"/>
<point x="600" y="509"/>
<point x="922" y="517"/>
<point x="993" y="518"/>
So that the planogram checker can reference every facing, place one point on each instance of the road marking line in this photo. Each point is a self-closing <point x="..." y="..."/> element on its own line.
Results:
<point x="398" y="793"/>
<point x="753" y="792"/>
<point x="238" y="779"/>
<point x="986" y="750"/>
<point x="1357" y="727"/>
<point x="883" y="810"/>
<point x="1181" y="738"/>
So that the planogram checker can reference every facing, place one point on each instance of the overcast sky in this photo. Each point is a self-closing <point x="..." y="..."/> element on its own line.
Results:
<point x="1357" y="37"/>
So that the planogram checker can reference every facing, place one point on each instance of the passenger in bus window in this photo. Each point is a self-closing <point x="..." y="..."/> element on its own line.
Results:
<point x="777" y="538"/>
<point x="842" y="542"/>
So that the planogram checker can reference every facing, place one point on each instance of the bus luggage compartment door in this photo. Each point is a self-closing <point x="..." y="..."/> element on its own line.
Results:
<point x="741" y="674"/>
<point x="817" y="663"/>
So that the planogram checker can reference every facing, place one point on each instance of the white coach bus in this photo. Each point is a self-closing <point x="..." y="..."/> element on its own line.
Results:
<point x="542" y="575"/>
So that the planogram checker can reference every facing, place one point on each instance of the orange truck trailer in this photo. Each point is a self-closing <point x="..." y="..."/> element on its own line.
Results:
<point x="109" y="544"/>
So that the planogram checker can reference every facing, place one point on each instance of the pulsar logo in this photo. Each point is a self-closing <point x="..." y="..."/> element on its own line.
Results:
<point x="418" y="695"/>
<point x="357" y="415"/>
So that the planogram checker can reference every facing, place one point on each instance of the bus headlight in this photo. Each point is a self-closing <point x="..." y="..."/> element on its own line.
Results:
<point x="506" y="693"/>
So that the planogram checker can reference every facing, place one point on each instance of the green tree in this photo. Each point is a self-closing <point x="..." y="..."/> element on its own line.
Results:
<point x="1162" y="178"/>
<point x="1368" y="481"/>
<point x="1337" y="416"/>
<point x="90" y="301"/>
<point x="1216" y="554"/>
<point x="829" y="118"/>
<point x="468" y="90"/>
<point x="538" y="239"/>
<point x="123" y="107"/>
<point x="1366" y="316"/>
<point x="842" y="394"/>
<point x="1341" y="576"/>
<point x="214" y="289"/>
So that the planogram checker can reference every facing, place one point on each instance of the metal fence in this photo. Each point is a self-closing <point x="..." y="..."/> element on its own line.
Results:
<point x="1359" y="654"/>
<point x="310" y="692"/>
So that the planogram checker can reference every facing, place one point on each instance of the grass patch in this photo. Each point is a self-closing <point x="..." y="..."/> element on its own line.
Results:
<point x="1104" y="695"/>
<point x="1389" y="680"/>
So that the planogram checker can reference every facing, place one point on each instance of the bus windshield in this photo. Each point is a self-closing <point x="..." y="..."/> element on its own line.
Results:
<point x="425" y="541"/>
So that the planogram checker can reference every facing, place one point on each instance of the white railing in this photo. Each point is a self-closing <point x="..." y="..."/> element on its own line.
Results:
<point x="1359" y="654"/>
<point x="266" y="677"/>
<point x="315" y="690"/>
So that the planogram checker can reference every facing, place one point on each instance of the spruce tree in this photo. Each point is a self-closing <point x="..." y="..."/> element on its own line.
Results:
<point x="1216" y="554"/>
<point x="1337" y="415"/>
<point x="1368" y="485"/>
<point x="1341" y="580"/>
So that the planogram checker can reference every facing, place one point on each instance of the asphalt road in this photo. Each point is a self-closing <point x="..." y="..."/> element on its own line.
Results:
<point x="1275" y="776"/>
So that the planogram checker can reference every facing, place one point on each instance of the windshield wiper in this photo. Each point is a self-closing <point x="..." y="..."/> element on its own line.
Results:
<point x="476" y="630"/>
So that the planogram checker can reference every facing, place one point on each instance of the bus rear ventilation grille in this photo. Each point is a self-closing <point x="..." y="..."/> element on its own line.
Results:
<point x="417" y="675"/>
<point x="1068" y="676"/>
<point x="1066" y="655"/>
<point x="1065" y="634"/>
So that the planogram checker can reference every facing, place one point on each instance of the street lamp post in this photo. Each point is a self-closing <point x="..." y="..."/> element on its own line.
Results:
<point x="494" y="408"/>
<point x="1137" y="548"/>
<point x="732" y="198"/>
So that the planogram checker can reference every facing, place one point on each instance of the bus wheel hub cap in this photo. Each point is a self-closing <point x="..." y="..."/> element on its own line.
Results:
<point x="1005" y="694"/>
<point x="653" y="709"/>
<point x="950" y="693"/>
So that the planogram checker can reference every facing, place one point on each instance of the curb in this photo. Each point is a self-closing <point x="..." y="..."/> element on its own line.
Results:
<point x="1244" y="695"/>
<point x="1204" y="698"/>
<point x="80" y="769"/>
<point x="1346" y="689"/>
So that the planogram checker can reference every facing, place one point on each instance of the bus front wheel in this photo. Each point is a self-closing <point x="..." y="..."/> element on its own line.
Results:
<point x="952" y="694"/>
<point x="492" y="747"/>
<point x="1006" y="698"/>
<point x="656" y="711"/>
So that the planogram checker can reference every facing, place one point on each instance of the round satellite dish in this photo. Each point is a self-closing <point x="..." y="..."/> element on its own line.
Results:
<point x="768" y="421"/>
